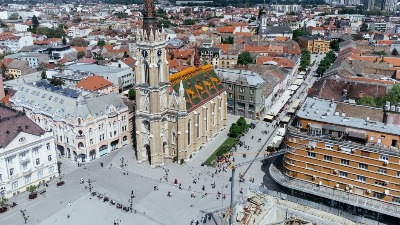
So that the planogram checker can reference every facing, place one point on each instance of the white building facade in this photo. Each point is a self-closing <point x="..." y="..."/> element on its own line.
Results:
<point x="29" y="158"/>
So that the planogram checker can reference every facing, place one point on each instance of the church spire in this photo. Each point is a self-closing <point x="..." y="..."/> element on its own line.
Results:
<point x="150" y="22"/>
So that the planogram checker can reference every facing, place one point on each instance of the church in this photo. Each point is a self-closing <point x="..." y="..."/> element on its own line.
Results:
<point x="176" y="115"/>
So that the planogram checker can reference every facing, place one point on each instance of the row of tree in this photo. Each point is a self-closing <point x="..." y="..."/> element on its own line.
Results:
<point x="305" y="59"/>
<point x="393" y="96"/>
<point x="326" y="62"/>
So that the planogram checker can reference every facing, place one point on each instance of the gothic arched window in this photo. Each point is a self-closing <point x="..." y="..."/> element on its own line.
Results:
<point x="160" y="71"/>
<point x="146" y="73"/>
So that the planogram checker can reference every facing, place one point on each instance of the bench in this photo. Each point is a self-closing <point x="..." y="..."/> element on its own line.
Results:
<point x="42" y="191"/>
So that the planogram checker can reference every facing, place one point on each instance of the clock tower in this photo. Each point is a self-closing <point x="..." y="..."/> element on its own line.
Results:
<point x="151" y="86"/>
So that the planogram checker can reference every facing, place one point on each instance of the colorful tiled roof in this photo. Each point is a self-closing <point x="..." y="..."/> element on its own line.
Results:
<point x="201" y="84"/>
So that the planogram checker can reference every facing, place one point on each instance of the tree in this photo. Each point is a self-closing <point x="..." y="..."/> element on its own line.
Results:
<point x="51" y="32"/>
<point x="56" y="81"/>
<point x="234" y="130"/>
<point x="4" y="71"/>
<point x="298" y="33"/>
<point x="81" y="55"/>
<point x="358" y="36"/>
<point x="77" y="20"/>
<point x="334" y="45"/>
<point x="186" y="12"/>
<point x="79" y="42"/>
<point x="132" y="94"/>
<point x="64" y="41"/>
<point x="395" y="52"/>
<point x="35" y="23"/>
<point x="245" y="58"/>
<point x="228" y="40"/>
<point x="32" y="188"/>
<point x="367" y="100"/>
<point x="43" y="75"/>
<point x="101" y="43"/>
<point x="3" y="202"/>
<point x="13" y="16"/>
<point x="189" y="22"/>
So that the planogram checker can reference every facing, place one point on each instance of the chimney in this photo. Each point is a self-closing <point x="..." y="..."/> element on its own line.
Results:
<point x="2" y="94"/>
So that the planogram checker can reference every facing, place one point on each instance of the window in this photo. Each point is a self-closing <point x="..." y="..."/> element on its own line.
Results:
<point x="396" y="200"/>
<point x="37" y="161"/>
<point x="230" y="87"/>
<point x="342" y="174"/>
<point x="11" y="171"/>
<point x="328" y="146"/>
<point x="251" y="99"/>
<point x="198" y="125"/>
<point x="363" y="166"/>
<point x="381" y="170"/>
<point x="311" y="154"/>
<point x="14" y="185"/>
<point x="372" y="138"/>
<point x="40" y="174"/>
<point x="48" y="146"/>
<point x="241" y="89"/>
<point x="365" y="153"/>
<point x="328" y="158"/>
<point x="51" y="169"/>
<point x="189" y="131"/>
<point x="28" y="179"/>
<point x="361" y="178"/>
<point x="49" y="158"/>
<point x="241" y="97"/>
<point x="173" y="141"/>
<point x="378" y="195"/>
<point x="383" y="158"/>
<point x="251" y="91"/>
<point x="230" y="95"/>
<point x="380" y="183"/>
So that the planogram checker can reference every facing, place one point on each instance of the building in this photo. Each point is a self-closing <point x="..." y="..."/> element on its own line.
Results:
<point x="209" y="55"/>
<point x="85" y="127"/>
<point x="34" y="59"/>
<point x="75" y="31"/>
<point x="271" y="32"/>
<point x="16" y="43"/>
<point x="315" y="44"/>
<point x="2" y="93"/>
<point x="175" y="115"/>
<point x="349" y="150"/>
<point x="122" y="77"/>
<point x="245" y="92"/>
<point x="28" y="155"/>
<point x="97" y="84"/>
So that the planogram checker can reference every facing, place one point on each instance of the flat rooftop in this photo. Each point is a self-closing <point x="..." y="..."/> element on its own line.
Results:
<point x="93" y="68"/>
<point x="346" y="115"/>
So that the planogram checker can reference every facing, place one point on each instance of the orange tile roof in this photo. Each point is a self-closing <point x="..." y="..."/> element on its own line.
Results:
<point x="223" y="47"/>
<point x="280" y="38"/>
<point x="79" y="49"/>
<point x="93" y="83"/>
<point x="385" y="42"/>
<point x="250" y="48"/>
<point x="130" y="62"/>
<point x="226" y="29"/>
<point x="244" y="34"/>
<point x="391" y="60"/>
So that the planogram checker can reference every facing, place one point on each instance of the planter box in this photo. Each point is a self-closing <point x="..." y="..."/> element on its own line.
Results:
<point x="3" y="209"/>
<point x="60" y="183"/>
<point x="32" y="195"/>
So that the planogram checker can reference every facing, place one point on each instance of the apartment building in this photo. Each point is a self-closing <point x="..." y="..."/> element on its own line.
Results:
<point x="349" y="150"/>
<point x="34" y="59"/>
<point x="315" y="44"/>
<point x="28" y="155"/>
<point x="245" y="92"/>
<point x="85" y="127"/>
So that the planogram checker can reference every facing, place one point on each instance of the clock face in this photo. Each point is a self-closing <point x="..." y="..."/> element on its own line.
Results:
<point x="159" y="52"/>
<point x="145" y="53"/>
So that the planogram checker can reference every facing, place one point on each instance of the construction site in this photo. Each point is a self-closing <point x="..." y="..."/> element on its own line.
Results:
<point x="260" y="208"/>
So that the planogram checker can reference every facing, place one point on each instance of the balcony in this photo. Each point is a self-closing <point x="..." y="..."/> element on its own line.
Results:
<point x="375" y="205"/>
<point x="24" y="160"/>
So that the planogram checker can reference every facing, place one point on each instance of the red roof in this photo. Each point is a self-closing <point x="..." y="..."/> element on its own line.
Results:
<point x="93" y="83"/>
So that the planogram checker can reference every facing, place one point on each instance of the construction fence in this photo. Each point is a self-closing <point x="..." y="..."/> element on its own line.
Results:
<point x="314" y="205"/>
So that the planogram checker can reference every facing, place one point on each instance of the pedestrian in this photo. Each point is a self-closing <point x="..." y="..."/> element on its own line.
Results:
<point x="69" y="203"/>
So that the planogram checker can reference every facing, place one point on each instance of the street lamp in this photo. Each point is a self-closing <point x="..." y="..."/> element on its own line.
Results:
<point x="131" y="201"/>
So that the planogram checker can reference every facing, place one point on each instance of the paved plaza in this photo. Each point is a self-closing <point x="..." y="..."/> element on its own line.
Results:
<point x="150" y="206"/>
<point x="73" y="203"/>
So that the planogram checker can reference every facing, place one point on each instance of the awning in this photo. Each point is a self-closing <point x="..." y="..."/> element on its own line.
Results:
<point x="298" y="82"/>
<point x="285" y="119"/>
<point x="293" y="87"/>
<point x="268" y="117"/>
<point x="356" y="133"/>
<point x="276" y="141"/>
<point x="334" y="128"/>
